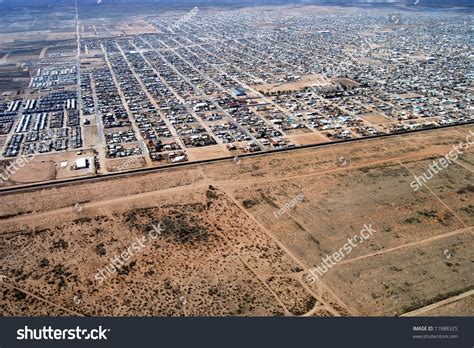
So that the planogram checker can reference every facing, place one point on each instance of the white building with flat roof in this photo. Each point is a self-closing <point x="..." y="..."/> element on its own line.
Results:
<point x="81" y="163"/>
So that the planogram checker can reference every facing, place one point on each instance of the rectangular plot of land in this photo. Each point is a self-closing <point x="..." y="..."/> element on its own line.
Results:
<point x="337" y="206"/>
<point x="453" y="185"/>
<point x="376" y="118"/>
<point x="408" y="278"/>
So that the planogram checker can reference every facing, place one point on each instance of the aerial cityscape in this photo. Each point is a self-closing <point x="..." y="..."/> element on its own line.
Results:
<point x="281" y="159"/>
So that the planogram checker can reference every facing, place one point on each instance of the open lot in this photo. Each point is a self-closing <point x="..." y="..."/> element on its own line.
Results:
<point x="303" y="82"/>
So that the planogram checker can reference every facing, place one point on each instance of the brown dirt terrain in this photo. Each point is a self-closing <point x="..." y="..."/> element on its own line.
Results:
<point x="375" y="118"/>
<point x="208" y="152"/>
<point x="309" y="138"/>
<point x="45" y="167"/>
<point x="35" y="171"/>
<point x="305" y="81"/>
<point x="225" y="250"/>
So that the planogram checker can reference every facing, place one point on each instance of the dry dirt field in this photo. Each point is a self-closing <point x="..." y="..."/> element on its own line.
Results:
<point x="46" y="167"/>
<point x="303" y="82"/>
<point x="376" y="118"/>
<point x="208" y="152"/>
<point x="223" y="250"/>
<point x="308" y="138"/>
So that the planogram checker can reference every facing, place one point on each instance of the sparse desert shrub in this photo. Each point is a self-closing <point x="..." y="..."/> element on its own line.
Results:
<point x="428" y="213"/>
<point x="469" y="209"/>
<point x="100" y="249"/>
<point x="44" y="263"/>
<point x="411" y="220"/>
<point x="61" y="243"/>
<point x="249" y="203"/>
<point x="18" y="295"/>
<point x="210" y="194"/>
<point x="468" y="188"/>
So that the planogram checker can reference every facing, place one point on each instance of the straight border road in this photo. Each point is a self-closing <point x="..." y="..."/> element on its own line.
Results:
<point x="141" y="171"/>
